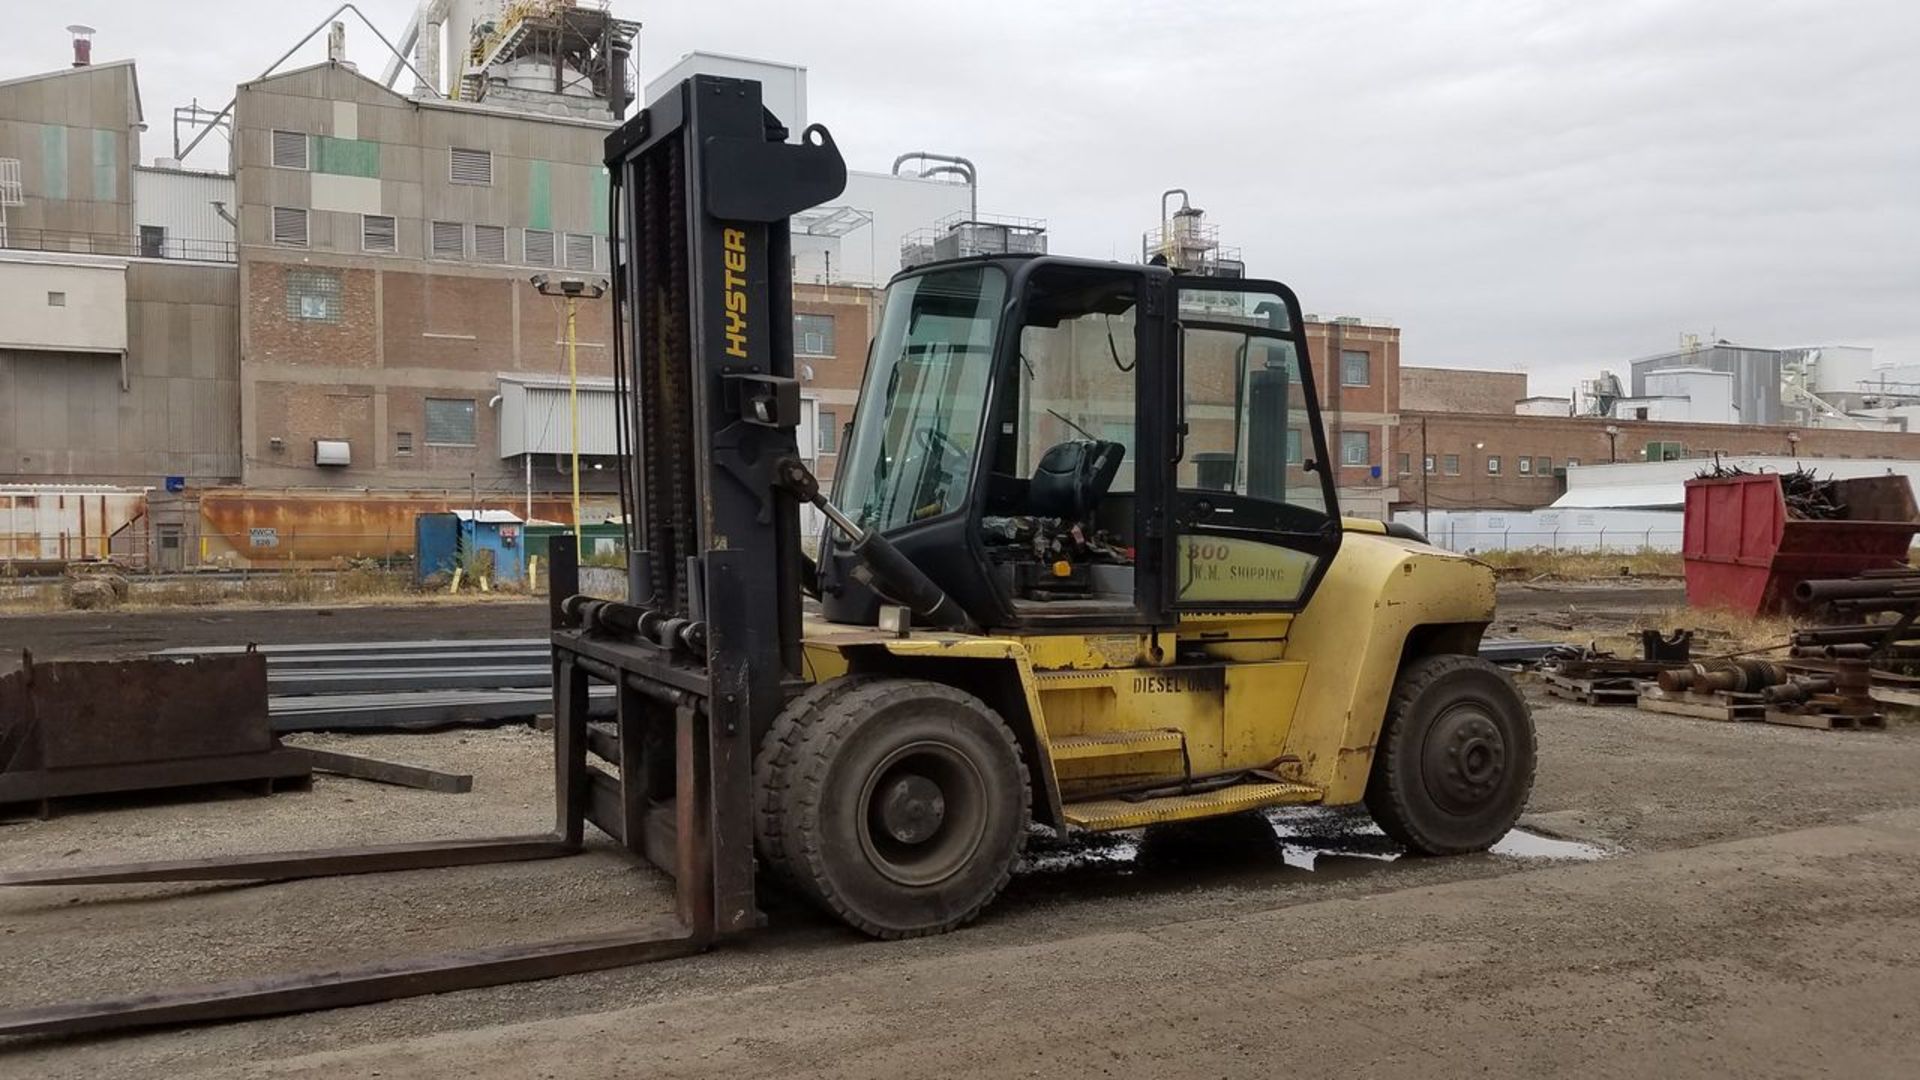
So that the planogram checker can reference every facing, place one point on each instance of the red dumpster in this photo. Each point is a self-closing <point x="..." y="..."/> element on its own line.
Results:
<point x="1745" y="551"/>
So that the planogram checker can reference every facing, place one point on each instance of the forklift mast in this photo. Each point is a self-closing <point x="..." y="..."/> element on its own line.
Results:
<point x="706" y="648"/>
<point x="703" y="183"/>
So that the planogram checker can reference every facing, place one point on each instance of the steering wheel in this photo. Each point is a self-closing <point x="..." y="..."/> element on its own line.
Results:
<point x="937" y="442"/>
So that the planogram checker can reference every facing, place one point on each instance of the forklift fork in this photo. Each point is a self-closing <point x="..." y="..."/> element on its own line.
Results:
<point x="583" y="792"/>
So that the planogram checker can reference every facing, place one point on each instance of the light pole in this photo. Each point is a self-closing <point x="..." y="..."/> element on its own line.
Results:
<point x="1473" y="479"/>
<point x="572" y="290"/>
<point x="1613" y="435"/>
<point x="1426" y="475"/>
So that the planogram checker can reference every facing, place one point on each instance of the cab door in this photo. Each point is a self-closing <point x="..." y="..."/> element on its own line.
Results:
<point x="1253" y="522"/>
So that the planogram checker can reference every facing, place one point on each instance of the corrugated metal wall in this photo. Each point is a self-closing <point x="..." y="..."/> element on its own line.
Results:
<point x="535" y="418"/>
<point x="182" y="204"/>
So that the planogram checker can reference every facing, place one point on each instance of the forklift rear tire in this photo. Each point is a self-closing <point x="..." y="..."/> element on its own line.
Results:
<point x="898" y="805"/>
<point x="1454" y="764"/>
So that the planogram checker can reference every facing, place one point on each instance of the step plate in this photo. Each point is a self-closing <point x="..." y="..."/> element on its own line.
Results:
<point x="1103" y="815"/>
<point x="1114" y="744"/>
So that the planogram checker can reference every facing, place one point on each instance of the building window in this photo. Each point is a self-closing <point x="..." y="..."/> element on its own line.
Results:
<point x="1543" y="466"/>
<point x="538" y="244"/>
<point x="1355" y="448"/>
<point x="450" y="421"/>
<point x="290" y="226"/>
<point x="1450" y="465"/>
<point x="290" y="150"/>
<point x="1293" y="446"/>
<point x="56" y="299"/>
<point x="489" y="244"/>
<point x="378" y="232"/>
<point x="1405" y="464"/>
<point x="813" y="335"/>
<point x="153" y="241"/>
<point x="470" y="166"/>
<point x="313" y="295"/>
<point x="449" y="242"/>
<point x="1430" y="464"/>
<point x="827" y="432"/>
<point x="403" y="444"/>
<point x="1526" y="465"/>
<point x="1493" y="464"/>
<point x="580" y="248"/>
<point x="1355" y="365"/>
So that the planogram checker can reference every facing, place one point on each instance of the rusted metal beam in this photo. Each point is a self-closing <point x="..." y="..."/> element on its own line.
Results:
<point x="605" y="803"/>
<point x="381" y="771"/>
<point x="323" y="862"/>
<point x="335" y="989"/>
<point x="33" y="785"/>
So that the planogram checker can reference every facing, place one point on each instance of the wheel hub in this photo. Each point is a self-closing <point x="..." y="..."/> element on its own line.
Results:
<point x="1465" y="758"/>
<point x="912" y="808"/>
<point x="924" y="813"/>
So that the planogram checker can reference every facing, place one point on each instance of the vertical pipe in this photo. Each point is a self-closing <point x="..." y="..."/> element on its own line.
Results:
<point x="573" y="406"/>
<point x="528" y="459"/>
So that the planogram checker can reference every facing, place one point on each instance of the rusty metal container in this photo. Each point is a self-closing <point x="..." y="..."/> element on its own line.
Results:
<point x="1745" y="552"/>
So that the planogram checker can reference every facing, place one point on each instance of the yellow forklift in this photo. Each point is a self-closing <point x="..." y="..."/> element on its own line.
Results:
<point x="1082" y="569"/>
<point x="1116" y="592"/>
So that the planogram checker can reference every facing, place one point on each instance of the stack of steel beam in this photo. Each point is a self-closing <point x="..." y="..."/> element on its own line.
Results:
<point x="375" y="685"/>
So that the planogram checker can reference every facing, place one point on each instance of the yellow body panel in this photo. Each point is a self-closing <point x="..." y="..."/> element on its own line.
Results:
<point x="1299" y="694"/>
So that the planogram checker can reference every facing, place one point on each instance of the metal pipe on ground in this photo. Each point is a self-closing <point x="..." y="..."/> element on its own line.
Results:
<point x="1819" y="592"/>
<point x="1838" y="635"/>
<point x="1798" y="689"/>
<point x="1861" y="605"/>
<point x="1739" y="676"/>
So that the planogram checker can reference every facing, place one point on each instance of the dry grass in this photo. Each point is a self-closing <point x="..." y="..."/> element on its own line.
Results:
<point x="1716" y="632"/>
<point x="1582" y="566"/>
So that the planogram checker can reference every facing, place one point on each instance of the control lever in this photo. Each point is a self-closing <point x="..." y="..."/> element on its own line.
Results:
<point x="894" y="574"/>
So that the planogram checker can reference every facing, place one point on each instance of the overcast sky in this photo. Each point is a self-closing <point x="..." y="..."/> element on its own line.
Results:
<point x="1549" y="187"/>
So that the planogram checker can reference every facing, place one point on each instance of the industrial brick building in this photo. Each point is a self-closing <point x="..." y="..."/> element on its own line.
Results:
<point x="1464" y="451"/>
<point x="386" y="246"/>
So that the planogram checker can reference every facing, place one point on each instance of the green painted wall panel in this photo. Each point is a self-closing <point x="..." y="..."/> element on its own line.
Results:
<point x="600" y="184"/>
<point x="539" y="195"/>
<point x="53" y="161"/>
<point x="106" y="166"/>
<point x="346" y="157"/>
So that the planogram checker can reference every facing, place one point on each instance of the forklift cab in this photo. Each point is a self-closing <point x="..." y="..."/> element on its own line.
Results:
<point x="1063" y="443"/>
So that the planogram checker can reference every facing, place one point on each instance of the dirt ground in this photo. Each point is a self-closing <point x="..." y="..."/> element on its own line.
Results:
<point x="1755" y="914"/>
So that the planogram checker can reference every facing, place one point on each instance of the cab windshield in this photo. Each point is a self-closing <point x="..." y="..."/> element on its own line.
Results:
<point x="917" y="430"/>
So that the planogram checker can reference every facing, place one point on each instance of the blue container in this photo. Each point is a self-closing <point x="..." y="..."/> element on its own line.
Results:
<point x="441" y="540"/>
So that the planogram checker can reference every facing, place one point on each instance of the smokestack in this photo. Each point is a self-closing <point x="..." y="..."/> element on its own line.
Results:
<point x="337" y="42"/>
<point x="82" y="44"/>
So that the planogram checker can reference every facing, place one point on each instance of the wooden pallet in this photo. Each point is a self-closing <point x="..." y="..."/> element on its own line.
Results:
<point x="1606" y="690"/>
<point x="1822" y="720"/>
<point x="1719" y="705"/>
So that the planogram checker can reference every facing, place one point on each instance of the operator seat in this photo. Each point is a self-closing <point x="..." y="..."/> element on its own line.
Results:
<point x="1073" y="477"/>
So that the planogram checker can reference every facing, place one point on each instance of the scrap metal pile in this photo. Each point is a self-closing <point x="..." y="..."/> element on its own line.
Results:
<point x="1808" y="497"/>
<point x="1856" y="654"/>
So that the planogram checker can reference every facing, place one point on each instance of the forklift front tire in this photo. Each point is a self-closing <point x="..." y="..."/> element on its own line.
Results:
<point x="1454" y="764"/>
<point x="902" y="804"/>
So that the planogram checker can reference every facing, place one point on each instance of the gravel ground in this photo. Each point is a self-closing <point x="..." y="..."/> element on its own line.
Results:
<point x="1636" y="783"/>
